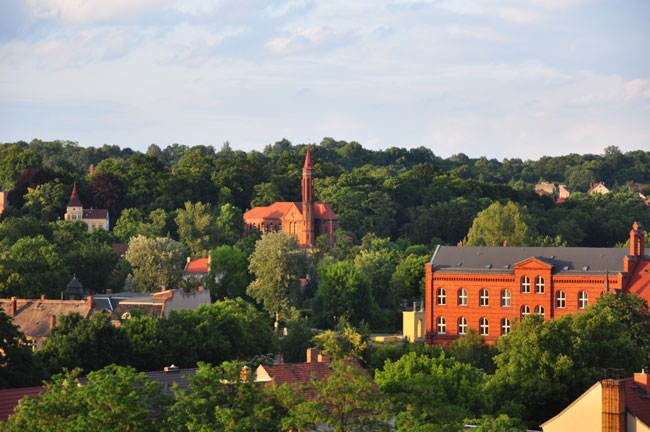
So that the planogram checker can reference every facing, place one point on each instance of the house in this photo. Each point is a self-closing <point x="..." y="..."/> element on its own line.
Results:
<point x="563" y="192"/>
<point x="94" y="218"/>
<point x="196" y="268"/>
<point x="9" y="399"/>
<point x="609" y="405"/>
<point x="598" y="188"/>
<point x="487" y="288"/>
<point x="545" y="188"/>
<point x="37" y="317"/>
<point x="305" y="220"/>
<point x="413" y="323"/>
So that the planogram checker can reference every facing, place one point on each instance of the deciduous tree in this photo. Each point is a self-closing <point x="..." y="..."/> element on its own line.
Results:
<point x="156" y="262"/>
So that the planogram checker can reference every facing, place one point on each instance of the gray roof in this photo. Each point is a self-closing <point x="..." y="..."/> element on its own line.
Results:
<point x="167" y="379"/>
<point x="501" y="260"/>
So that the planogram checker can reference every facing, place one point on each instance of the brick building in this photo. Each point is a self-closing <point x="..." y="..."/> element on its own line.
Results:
<point x="488" y="288"/>
<point x="305" y="220"/>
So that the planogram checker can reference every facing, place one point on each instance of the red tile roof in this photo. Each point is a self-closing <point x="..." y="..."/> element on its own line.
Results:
<point x="275" y="211"/>
<point x="9" y="399"/>
<point x="33" y="316"/>
<point x="198" y="265"/>
<point x="302" y="372"/>
<point x="635" y="403"/>
<point x="95" y="213"/>
<point x="74" y="198"/>
<point x="121" y="248"/>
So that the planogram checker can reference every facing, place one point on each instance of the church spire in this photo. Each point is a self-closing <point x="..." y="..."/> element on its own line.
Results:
<point x="74" y="198"/>
<point x="308" y="160"/>
<point x="308" y="200"/>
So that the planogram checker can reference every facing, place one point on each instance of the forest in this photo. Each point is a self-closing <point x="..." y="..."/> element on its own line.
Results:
<point x="394" y="207"/>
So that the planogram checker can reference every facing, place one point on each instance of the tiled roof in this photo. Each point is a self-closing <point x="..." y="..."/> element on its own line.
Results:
<point x="167" y="379"/>
<point x="476" y="258"/>
<point x="9" y="399"/>
<point x="95" y="213"/>
<point x="33" y="316"/>
<point x="274" y="211"/>
<point x="121" y="248"/>
<point x="74" y="198"/>
<point x="301" y="372"/>
<point x="198" y="265"/>
<point x="323" y="211"/>
<point x="637" y="402"/>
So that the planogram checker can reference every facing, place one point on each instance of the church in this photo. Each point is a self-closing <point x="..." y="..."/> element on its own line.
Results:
<point x="305" y="220"/>
<point x="488" y="288"/>
<point x="94" y="218"/>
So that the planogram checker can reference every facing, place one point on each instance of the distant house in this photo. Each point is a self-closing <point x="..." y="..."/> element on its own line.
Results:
<point x="94" y="218"/>
<point x="196" y="268"/>
<point x="609" y="405"/>
<point x="599" y="188"/>
<point x="9" y="399"/>
<point x="559" y="192"/>
<point x="545" y="188"/>
<point x="563" y="192"/>
<point x="120" y="248"/>
<point x="36" y="318"/>
<point x="3" y="201"/>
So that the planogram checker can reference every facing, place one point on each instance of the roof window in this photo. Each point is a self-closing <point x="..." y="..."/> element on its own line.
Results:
<point x="565" y="268"/>
<point x="506" y="267"/>
<point x="488" y="267"/>
<point x="585" y="268"/>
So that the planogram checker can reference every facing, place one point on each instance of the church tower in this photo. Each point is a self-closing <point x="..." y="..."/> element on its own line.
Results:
<point x="74" y="209"/>
<point x="308" y="200"/>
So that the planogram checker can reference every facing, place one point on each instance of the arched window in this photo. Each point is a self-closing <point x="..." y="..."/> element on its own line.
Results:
<point x="484" y="298"/>
<point x="505" y="298"/>
<point x="525" y="311"/>
<point x="462" y="326"/>
<point x="539" y="310"/>
<point x="462" y="297"/>
<point x="419" y="328"/>
<point x="442" y="325"/>
<point x="539" y="285"/>
<point x="583" y="300"/>
<point x="484" y="327"/>
<point x="525" y="284"/>
<point x="560" y="300"/>
<point x="441" y="296"/>
<point x="505" y="326"/>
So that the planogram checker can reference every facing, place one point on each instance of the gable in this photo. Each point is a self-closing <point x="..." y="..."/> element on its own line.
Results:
<point x="533" y="263"/>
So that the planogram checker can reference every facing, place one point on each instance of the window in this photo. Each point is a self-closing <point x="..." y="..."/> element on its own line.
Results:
<point x="505" y="326"/>
<point x="484" y="327"/>
<point x="539" y="310"/>
<point x="462" y="325"/>
<point x="462" y="297"/>
<point x="126" y="315"/>
<point x="484" y="298"/>
<point x="560" y="300"/>
<point x="525" y="284"/>
<point x="539" y="285"/>
<point x="442" y="325"/>
<point x="525" y="311"/>
<point x="583" y="300"/>
<point x="505" y="298"/>
<point x="441" y="296"/>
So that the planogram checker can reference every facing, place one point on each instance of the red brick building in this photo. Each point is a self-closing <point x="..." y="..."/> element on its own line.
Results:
<point x="305" y="220"/>
<point x="488" y="288"/>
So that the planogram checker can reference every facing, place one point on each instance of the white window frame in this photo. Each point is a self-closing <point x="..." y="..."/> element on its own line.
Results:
<point x="462" y="326"/>
<point x="505" y="326"/>
<point x="583" y="300"/>
<point x="560" y="299"/>
<point x="540" y="284"/>
<point x="462" y="297"/>
<point x="484" y="326"/>
<point x="441" y="297"/>
<point x="505" y="298"/>
<point x="539" y="310"/>
<point x="484" y="297"/>
<point x="525" y="311"/>
<point x="441" y="325"/>
<point x="525" y="285"/>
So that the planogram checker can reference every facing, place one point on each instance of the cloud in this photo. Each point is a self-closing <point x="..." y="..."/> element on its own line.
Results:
<point x="303" y="39"/>
<point x="87" y="11"/>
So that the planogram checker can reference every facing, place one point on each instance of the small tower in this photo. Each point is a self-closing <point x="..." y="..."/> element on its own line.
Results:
<point x="74" y="290"/>
<point x="74" y="209"/>
<point x="308" y="200"/>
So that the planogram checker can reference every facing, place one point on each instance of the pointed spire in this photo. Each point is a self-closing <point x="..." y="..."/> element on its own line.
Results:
<point x="307" y="159"/>
<point x="74" y="198"/>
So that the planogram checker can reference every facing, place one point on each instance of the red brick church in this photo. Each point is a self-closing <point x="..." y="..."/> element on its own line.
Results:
<point x="488" y="288"/>
<point x="305" y="220"/>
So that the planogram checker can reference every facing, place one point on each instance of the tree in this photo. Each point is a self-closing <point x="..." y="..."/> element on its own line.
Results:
<point x="266" y="194"/>
<point x="13" y="160"/>
<point x="46" y="201"/>
<point x="222" y="398"/>
<point x="197" y="227"/>
<point x="230" y="223"/>
<point x="299" y="335"/>
<point x="344" y="342"/>
<point x="17" y="366"/>
<point x="133" y="222"/>
<point x="343" y="291"/>
<point x="228" y="273"/>
<point x="276" y="264"/>
<point x="156" y="262"/>
<point x="89" y="344"/>
<point x="407" y="281"/>
<point x="108" y="192"/>
<point x="473" y="350"/>
<point x="499" y="223"/>
<point x="113" y="399"/>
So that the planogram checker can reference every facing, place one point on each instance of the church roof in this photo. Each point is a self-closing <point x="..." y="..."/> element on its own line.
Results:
<point x="308" y="159"/>
<point x="74" y="198"/>
<point x="279" y="209"/>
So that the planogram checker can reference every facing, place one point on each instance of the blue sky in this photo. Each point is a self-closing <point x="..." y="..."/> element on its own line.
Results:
<point x="500" y="78"/>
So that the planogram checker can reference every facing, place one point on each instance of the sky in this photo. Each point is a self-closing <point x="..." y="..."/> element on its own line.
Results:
<point x="495" y="78"/>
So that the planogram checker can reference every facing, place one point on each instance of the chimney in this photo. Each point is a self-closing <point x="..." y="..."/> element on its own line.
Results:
<point x="109" y="291"/>
<point x="323" y="358"/>
<point x="421" y="305"/>
<point x="642" y="380"/>
<point x="170" y="369"/>
<point x="52" y="321"/>
<point x="312" y="354"/>
<point x="415" y="307"/>
<point x="279" y="357"/>
<point x="613" y="406"/>
<point x="89" y="299"/>
<point x="459" y="244"/>
<point x="505" y="243"/>
<point x="12" y="307"/>
<point x="92" y="169"/>
<point x="201" y="288"/>
<point x="42" y="297"/>
<point x="245" y="373"/>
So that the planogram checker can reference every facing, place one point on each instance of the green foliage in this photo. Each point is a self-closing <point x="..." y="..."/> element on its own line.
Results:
<point x="276" y="263"/>
<point x="133" y="222"/>
<point x="407" y="281"/>
<point x="156" y="262"/>
<point x="473" y="350"/>
<point x="345" y="341"/>
<point x="17" y="365"/>
<point x="498" y="224"/>
<point x="294" y="345"/>
<point x="113" y="399"/>
<point x="228" y="273"/>
<point x="501" y="423"/>
<point x="230" y="224"/>
<point x="47" y="201"/>
<point x="220" y="399"/>
<point x="197" y="227"/>
<point x="88" y="344"/>
<point x="13" y="160"/>
<point x="343" y="292"/>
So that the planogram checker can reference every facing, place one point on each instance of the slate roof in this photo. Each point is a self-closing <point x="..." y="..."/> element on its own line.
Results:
<point x="167" y="379"/>
<point x="476" y="258"/>
<point x="151" y="309"/>
<point x="33" y="316"/>
<point x="9" y="399"/>
<point x="636" y="401"/>
<point x="95" y="213"/>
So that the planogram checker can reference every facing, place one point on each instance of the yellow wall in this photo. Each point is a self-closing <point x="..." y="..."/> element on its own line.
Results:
<point x="584" y="414"/>
<point x="413" y="325"/>
<point x="636" y="425"/>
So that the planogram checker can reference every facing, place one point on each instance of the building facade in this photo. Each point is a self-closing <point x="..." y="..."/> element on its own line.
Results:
<point x="94" y="218"/>
<point x="305" y="220"/>
<point x="488" y="288"/>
